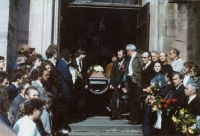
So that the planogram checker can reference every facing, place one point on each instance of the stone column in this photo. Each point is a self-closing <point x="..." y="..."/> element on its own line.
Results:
<point x="42" y="33"/>
<point x="168" y="26"/>
<point x="8" y="31"/>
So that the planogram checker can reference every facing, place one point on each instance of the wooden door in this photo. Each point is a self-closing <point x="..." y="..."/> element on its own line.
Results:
<point x="143" y="22"/>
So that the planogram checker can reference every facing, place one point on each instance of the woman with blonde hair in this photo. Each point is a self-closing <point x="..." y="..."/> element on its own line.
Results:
<point x="163" y="59"/>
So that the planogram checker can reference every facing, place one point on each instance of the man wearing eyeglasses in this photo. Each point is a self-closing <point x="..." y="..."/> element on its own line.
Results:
<point x="177" y="62"/>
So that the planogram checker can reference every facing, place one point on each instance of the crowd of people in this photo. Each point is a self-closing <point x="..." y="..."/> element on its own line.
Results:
<point x="44" y="90"/>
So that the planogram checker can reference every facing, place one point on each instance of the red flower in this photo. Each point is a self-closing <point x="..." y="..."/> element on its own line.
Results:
<point x="165" y="106"/>
<point x="174" y="100"/>
<point x="168" y="101"/>
<point x="162" y="100"/>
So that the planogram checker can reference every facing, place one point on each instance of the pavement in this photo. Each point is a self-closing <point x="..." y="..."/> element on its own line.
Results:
<point x="99" y="126"/>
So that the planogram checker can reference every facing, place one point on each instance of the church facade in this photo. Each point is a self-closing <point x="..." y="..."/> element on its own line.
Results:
<point x="172" y="23"/>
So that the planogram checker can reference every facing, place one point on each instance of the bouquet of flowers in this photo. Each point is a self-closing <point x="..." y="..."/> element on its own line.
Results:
<point x="155" y="87"/>
<point x="96" y="68"/>
<point x="158" y="103"/>
<point x="185" y="121"/>
<point x="77" y="74"/>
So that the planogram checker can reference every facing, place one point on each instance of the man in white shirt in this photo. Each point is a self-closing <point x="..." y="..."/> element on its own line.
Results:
<point x="133" y="81"/>
<point x="177" y="62"/>
<point x="193" y="101"/>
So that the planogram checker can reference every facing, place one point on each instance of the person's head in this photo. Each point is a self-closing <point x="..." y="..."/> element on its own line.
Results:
<point x="174" y="54"/>
<point x="191" y="89"/>
<point x="26" y="68"/>
<point x="162" y="57"/>
<point x="120" y="54"/>
<point x="22" y="87"/>
<point x="114" y="58"/>
<point x="31" y="93"/>
<point x="47" y="98"/>
<point x="168" y="78"/>
<point x="154" y="56"/>
<point x="17" y="76"/>
<point x="157" y="67"/>
<point x="4" y="78"/>
<point x="46" y="64"/>
<point x="4" y="102"/>
<point x="23" y="49"/>
<point x="36" y="60"/>
<point x="177" y="78"/>
<point x="32" y="51"/>
<point x="146" y="57"/>
<point x="187" y="67"/>
<point x="66" y="55"/>
<point x="130" y="49"/>
<point x="53" y="46"/>
<point x="2" y="63"/>
<point x="51" y="54"/>
<point x="81" y="54"/>
<point x="195" y="71"/>
<point x="33" y="108"/>
<point x="21" y="59"/>
<point x="40" y="73"/>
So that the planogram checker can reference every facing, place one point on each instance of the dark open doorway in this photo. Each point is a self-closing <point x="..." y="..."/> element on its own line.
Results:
<point x="100" y="31"/>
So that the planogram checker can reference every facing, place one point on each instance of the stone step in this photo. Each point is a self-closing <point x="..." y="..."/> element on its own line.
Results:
<point x="100" y="124"/>
<point x="135" y="133"/>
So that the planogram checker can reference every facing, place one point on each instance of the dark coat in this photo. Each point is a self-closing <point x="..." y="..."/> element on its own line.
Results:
<point x="65" y="77"/>
<point x="53" y="78"/>
<point x="137" y="69"/>
<point x="194" y="106"/>
<point x="116" y="77"/>
<point x="4" y="119"/>
<point x="147" y="75"/>
<point x="179" y="94"/>
<point x="12" y="92"/>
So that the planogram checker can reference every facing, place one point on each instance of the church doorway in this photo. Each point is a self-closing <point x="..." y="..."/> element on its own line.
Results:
<point x="102" y="30"/>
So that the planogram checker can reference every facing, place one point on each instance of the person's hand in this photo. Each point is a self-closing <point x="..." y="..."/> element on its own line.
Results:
<point x="119" y="86"/>
<point x="110" y="86"/>
<point x="86" y="86"/>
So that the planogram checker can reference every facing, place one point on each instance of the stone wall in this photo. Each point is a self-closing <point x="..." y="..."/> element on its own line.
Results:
<point x="12" y="34"/>
<point x="168" y="26"/>
<point x="193" y="46"/>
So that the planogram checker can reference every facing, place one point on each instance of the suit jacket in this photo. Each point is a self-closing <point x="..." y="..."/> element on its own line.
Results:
<point x="65" y="77"/>
<point x="179" y="94"/>
<point x="147" y="75"/>
<point x="39" y="88"/>
<point x="137" y="69"/>
<point x="12" y="92"/>
<point x="53" y="78"/>
<point x="116" y="77"/>
<point x="194" y="106"/>
<point x="83" y="71"/>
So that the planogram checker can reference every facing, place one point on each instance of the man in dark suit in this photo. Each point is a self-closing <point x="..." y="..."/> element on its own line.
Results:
<point x="147" y="70"/>
<point x="178" y="91"/>
<point x="147" y="75"/>
<point x="193" y="101"/>
<point x="116" y="81"/>
<point x="80" y="96"/>
<point x="133" y="80"/>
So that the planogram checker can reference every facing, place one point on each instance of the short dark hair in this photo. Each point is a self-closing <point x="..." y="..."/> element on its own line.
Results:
<point x="176" y="51"/>
<point x="189" y="64"/>
<point x="38" y="72"/>
<point x="3" y="75"/>
<point x="66" y="54"/>
<point x="50" y="52"/>
<point x="47" y="97"/>
<point x="22" y="85"/>
<point x="179" y="75"/>
<point x="197" y="70"/>
<point x="31" y="50"/>
<point x="149" y="54"/>
<point x="80" y="52"/>
<point x="123" y="51"/>
<point x="32" y="104"/>
<point x="1" y="57"/>
<point x="34" y="57"/>
<point x="17" y="74"/>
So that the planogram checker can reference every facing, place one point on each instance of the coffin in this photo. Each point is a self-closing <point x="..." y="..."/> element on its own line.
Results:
<point x="98" y="83"/>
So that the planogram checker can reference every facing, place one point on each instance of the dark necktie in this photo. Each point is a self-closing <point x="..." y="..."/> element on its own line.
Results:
<point x="80" y="64"/>
<point x="144" y="67"/>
